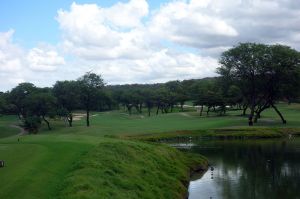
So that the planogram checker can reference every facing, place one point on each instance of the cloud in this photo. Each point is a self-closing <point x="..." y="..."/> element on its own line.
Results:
<point x="96" y="33"/>
<point x="19" y="65"/>
<point x="40" y="59"/>
<point x="127" y="15"/>
<point x="189" y="23"/>
<point x="161" y="66"/>
<point x="10" y="53"/>
<point x="11" y="61"/>
<point x="128" y="43"/>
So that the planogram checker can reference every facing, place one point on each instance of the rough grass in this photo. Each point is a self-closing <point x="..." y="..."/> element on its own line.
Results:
<point x="125" y="169"/>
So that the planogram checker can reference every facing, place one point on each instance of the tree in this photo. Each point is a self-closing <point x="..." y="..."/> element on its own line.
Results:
<point x="17" y="96"/>
<point x="5" y="106"/>
<point x="40" y="105"/>
<point x="149" y="99"/>
<point x="177" y="93"/>
<point x="67" y="96"/>
<point x="90" y="86"/>
<point x="264" y="74"/>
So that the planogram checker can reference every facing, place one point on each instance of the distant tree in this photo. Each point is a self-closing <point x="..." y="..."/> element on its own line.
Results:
<point x="5" y="106"/>
<point x="67" y="94"/>
<point x="17" y="96"/>
<point x="264" y="74"/>
<point x="177" y="94"/>
<point x="90" y="87"/>
<point x="40" y="104"/>
<point x="214" y="101"/>
<point x="161" y="100"/>
<point x="3" y="103"/>
<point x="149" y="99"/>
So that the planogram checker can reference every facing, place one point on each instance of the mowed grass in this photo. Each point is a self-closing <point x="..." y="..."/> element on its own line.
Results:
<point x="76" y="162"/>
<point x="5" y="126"/>
<point x="120" y="123"/>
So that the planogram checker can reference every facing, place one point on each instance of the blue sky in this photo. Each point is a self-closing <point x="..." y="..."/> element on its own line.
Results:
<point x="133" y="41"/>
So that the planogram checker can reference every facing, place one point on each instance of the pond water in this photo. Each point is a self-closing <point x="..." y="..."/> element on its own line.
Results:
<point x="248" y="169"/>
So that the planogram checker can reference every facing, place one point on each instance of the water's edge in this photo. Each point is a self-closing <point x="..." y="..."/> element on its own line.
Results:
<point x="199" y="170"/>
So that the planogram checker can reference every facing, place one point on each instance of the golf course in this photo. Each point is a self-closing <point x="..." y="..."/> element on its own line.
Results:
<point x="109" y="160"/>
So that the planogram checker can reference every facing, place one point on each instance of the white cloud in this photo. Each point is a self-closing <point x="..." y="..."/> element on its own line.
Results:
<point x="92" y="32"/>
<point x="127" y="15"/>
<point x="130" y="43"/>
<point x="40" y="59"/>
<point x="19" y="65"/>
<point x="10" y="53"/>
<point x="161" y="66"/>
<point x="190" y="24"/>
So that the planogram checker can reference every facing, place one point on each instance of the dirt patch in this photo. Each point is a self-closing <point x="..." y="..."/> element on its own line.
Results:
<point x="22" y="131"/>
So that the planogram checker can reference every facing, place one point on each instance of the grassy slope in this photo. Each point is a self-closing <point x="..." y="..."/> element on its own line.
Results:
<point x="37" y="164"/>
<point x="125" y="169"/>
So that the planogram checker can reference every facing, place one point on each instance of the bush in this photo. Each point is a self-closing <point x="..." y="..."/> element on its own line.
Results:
<point x="32" y="124"/>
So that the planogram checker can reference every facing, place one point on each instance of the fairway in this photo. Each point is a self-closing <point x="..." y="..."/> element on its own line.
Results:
<point x="37" y="165"/>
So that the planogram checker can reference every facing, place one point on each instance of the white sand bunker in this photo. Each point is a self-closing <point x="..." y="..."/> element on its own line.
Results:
<point x="185" y="114"/>
<point x="78" y="116"/>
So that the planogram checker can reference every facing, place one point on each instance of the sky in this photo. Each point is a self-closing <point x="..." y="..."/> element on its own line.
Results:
<point x="133" y="41"/>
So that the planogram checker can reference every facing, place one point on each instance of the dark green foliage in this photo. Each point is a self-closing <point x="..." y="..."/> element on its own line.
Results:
<point x="33" y="105"/>
<point x="90" y="87"/>
<point x="67" y="94"/>
<point x="264" y="74"/>
<point x="32" y="123"/>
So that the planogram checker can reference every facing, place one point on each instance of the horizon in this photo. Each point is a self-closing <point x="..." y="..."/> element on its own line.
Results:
<point x="105" y="84"/>
<point x="133" y="41"/>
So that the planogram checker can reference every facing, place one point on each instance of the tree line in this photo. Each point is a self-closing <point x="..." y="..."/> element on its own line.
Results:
<point x="251" y="77"/>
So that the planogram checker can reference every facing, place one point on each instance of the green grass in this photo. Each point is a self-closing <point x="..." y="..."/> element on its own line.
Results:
<point x="61" y="162"/>
<point x="5" y="129"/>
<point x="125" y="169"/>
<point x="34" y="170"/>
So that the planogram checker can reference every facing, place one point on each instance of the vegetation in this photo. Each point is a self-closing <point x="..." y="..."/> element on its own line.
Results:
<point x="112" y="152"/>
<point x="126" y="169"/>
<point x="263" y="73"/>
<point x="53" y="163"/>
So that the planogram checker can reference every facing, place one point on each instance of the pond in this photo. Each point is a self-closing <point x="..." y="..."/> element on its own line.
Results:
<point x="247" y="169"/>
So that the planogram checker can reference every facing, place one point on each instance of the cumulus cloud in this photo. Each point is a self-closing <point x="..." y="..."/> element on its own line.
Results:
<point x="18" y="64"/>
<point x="10" y="53"/>
<point x="11" y="59"/>
<point x="97" y="33"/>
<point x="211" y="24"/>
<point x="161" y="66"/>
<point x="189" y="23"/>
<point x="128" y="43"/>
<point x="44" y="60"/>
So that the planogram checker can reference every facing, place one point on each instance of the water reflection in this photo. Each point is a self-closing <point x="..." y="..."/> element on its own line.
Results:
<point x="249" y="170"/>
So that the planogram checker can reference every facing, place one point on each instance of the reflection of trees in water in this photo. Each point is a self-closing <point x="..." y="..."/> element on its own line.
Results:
<point x="268" y="169"/>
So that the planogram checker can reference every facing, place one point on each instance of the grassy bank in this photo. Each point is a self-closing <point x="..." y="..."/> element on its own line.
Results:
<point x="221" y="133"/>
<point x="126" y="169"/>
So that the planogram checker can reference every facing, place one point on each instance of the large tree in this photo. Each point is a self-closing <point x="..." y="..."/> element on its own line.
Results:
<point x="264" y="74"/>
<point x="40" y="104"/>
<point x="90" y="87"/>
<point x="17" y="96"/>
<point x="67" y="94"/>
